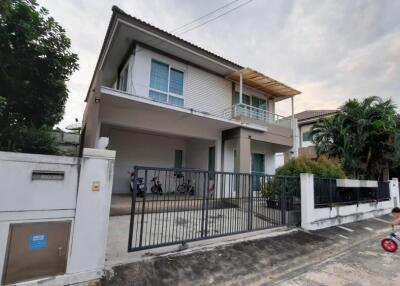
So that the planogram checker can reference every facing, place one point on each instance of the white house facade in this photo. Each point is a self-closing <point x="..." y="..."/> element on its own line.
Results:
<point x="164" y="102"/>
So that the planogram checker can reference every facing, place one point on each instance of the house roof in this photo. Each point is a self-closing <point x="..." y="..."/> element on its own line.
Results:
<point x="313" y="114"/>
<point x="276" y="88"/>
<point x="157" y="30"/>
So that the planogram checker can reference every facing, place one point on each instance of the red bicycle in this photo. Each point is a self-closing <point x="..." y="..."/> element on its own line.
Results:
<point x="390" y="244"/>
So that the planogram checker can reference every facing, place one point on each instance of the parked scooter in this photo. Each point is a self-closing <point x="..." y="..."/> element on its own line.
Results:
<point x="156" y="188"/>
<point x="140" y="188"/>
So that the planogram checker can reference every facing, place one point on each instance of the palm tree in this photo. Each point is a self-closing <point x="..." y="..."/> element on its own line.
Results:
<point x="363" y="135"/>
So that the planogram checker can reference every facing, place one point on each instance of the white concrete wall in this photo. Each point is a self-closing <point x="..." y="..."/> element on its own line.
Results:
<point x="317" y="218"/>
<point x="90" y="232"/>
<point x="19" y="193"/>
<point x="23" y="200"/>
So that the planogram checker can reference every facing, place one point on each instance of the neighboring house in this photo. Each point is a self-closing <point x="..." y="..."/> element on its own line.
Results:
<point x="305" y="122"/>
<point x="67" y="142"/>
<point x="164" y="102"/>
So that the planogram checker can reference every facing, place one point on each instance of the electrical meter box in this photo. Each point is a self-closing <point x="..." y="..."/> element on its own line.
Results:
<point x="36" y="250"/>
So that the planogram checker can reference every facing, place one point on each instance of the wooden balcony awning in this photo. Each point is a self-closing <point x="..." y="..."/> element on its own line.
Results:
<point x="262" y="82"/>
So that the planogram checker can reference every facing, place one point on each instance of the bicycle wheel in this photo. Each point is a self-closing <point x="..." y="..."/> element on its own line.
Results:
<point x="181" y="189"/>
<point x="389" y="245"/>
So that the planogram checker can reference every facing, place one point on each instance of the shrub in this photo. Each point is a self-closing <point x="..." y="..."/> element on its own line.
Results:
<point x="323" y="167"/>
<point x="29" y="140"/>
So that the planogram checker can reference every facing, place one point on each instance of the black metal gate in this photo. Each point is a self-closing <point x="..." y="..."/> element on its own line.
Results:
<point x="172" y="206"/>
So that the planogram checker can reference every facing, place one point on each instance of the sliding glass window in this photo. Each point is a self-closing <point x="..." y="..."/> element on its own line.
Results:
<point x="166" y="84"/>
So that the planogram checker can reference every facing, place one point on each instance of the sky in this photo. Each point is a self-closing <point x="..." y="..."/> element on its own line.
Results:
<point x="329" y="50"/>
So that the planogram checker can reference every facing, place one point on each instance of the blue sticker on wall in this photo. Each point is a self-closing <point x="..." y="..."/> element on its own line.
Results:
<point x="38" y="241"/>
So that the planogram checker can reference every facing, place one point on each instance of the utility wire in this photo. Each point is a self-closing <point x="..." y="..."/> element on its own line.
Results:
<point x="204" y="16"/>
<point x="158" y="42"/>
<point x="217" y="17"/>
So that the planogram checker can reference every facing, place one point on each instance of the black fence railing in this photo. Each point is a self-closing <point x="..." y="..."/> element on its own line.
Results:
<point x="171" y="206"/>
<point x="327" y="193"/>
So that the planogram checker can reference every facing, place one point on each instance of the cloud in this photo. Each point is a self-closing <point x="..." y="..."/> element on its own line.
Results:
<point x="329" y="50"/>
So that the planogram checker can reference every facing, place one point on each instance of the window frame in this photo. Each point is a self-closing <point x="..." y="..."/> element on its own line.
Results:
<point x="125" y="69"/>
<point x="168" y="93"/>
<point x="236" y="95"/>
<point x="306" y="135"/>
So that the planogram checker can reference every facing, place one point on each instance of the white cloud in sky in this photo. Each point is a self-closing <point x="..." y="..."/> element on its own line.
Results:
<point x="329" y="50"/>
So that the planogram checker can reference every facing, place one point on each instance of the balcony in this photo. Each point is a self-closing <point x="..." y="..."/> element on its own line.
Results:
<point x="250" y="114"/>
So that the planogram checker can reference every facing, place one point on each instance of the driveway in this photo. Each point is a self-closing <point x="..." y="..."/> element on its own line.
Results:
<point x="349" y="255"/>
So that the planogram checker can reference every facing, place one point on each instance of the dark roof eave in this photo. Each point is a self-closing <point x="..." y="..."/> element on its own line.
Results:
<point x="119" y="12"/>
<point x="101" y="53"/>
<point x="160" y="32"/>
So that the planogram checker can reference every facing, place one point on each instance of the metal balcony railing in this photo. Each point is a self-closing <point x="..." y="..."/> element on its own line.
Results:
<point x="240" y="109"/>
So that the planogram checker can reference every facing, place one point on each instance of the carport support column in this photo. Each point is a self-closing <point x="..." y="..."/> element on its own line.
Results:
<point x="244" y="164"/>
<point x="88" y="249"/>
<point x="218" y="164"/>
<point x="307" y="200"/>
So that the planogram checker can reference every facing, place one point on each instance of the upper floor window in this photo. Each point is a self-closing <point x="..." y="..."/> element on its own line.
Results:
<point x="166" y="84"/>
<point x="123" y="79"/>
<point x="251" y="100"/>
<point x="307" y="136"/>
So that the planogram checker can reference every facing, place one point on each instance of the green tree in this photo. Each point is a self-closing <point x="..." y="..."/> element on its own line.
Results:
<point x="35" y="63"/>
<point x="364" y="135"/>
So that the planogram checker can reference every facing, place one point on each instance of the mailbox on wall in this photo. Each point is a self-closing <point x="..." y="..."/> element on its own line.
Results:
<point x="36" y="250"/>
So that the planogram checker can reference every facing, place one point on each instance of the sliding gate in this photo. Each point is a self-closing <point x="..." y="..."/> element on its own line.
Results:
<point x="172" y="206"/>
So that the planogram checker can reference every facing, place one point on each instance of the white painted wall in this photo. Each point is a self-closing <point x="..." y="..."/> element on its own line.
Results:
<point x="279" y="160"/>
<point x="317" y="218"/>
<point x="19" y="193"/>
<point x="202" y="90"/>
<point x="23" y="200"/>
<point x="269" y="155"/>
<point x="163" y="120"/>
<point x="229" y="155"/>
<point x="207" y="92"/>
<point x="197" y="153"/>
<point x="139" y="148"/>
<point x="90" y="232"/>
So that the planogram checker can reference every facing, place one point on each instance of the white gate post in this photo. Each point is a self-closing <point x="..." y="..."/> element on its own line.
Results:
<point x="394" y="191"/>
<point x="307" y="200"/>
<point x="90" y="230"/>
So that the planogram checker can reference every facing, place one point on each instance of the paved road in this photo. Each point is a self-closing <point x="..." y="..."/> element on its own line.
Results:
<point x="364" y="265"/>
<point x="336" y="256"/>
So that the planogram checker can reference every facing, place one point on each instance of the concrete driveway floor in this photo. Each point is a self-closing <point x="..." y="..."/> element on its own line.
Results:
<point x="346" y="255"/>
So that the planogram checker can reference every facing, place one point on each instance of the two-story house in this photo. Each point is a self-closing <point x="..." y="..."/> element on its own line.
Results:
<point x="165" y="102"/>
<point x="305" y="122"/>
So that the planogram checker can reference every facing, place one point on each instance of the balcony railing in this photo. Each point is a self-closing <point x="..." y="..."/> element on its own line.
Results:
<point x="231" y="113"/>
<point x="243" y="110"/>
